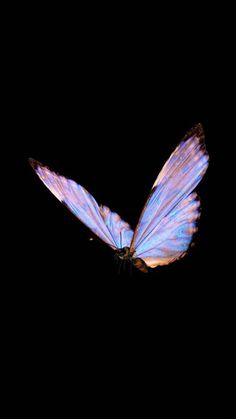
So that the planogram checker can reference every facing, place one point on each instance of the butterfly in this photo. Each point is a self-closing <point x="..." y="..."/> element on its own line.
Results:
<point x="168" y="220"/>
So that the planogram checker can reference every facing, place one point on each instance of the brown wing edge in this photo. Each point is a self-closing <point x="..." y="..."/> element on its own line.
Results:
<point x="198" y="131"/>
<point x="140" y="264"/>
<point x="195" y="130"/>
<point x="34" y="163"/>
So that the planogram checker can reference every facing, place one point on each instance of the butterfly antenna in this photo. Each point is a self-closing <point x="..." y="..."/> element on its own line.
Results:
<point x="120" y="240"/>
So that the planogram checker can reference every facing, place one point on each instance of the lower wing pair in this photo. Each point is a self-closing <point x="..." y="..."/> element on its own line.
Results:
<point x="168" y="220"/>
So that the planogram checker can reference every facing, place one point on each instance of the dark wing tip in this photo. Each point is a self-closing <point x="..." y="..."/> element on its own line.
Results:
<point x="198" y="131"/>
<point x="34" y="163"/>
<point x="198" y="127"/>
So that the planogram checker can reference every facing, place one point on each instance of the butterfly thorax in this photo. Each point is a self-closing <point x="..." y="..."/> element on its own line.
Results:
<point x="125" y="253"/>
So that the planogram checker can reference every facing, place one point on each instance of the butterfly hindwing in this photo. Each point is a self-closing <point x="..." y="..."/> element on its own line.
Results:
<point x="173" y="234"/>
<point x="119" y="229"/>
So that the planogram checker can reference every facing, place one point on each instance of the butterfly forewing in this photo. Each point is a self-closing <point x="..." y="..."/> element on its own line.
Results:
<point x="107" y="225"/>
<point x="167" y="222"/>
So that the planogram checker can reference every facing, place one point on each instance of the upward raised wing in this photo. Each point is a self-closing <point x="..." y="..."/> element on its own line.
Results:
<point x="107" y="225"/>
<point x="167" y="223"/>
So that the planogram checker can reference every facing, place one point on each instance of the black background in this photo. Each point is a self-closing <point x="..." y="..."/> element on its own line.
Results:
<point x="106" y="107"/>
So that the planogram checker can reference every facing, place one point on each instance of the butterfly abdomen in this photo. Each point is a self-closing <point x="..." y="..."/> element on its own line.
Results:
<point x="140" y="264"/>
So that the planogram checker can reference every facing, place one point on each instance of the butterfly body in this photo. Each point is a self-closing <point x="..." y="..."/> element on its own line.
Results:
<point x="168" y="221"/>
<point x="126" y="255"/>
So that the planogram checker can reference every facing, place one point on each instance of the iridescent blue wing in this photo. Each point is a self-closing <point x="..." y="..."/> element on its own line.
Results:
<point x="167" y="223"/>
<point x="107" y="225"/>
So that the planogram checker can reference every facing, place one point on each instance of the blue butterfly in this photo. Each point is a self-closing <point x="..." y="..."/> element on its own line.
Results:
<point x="168" y="220"/>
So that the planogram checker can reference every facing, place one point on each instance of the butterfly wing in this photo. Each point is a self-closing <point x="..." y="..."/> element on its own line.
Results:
<point x="173" y="236"/>
<point x="107" y="225"/>
<point x="167" y="223"/>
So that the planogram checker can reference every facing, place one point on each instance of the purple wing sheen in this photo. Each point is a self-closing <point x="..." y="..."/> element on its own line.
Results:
<point x="167" y="222"/>
<point x="107" y="225"/>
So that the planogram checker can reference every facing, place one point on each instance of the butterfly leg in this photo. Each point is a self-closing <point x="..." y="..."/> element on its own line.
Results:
<point x="130" y="268"/>
<point x="120" y="263"/>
